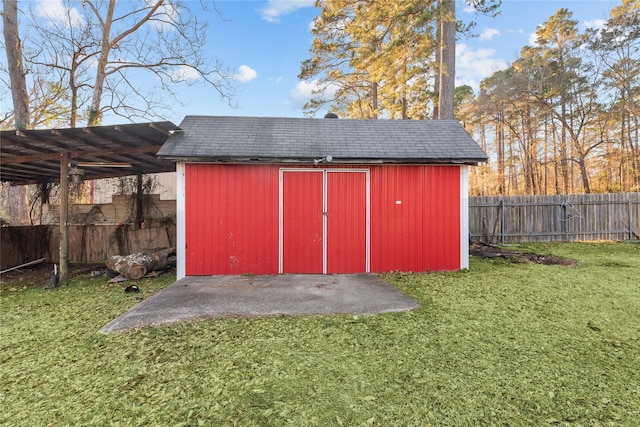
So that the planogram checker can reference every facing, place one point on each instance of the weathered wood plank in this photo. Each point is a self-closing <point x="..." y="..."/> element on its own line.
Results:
<point x="554" y="218"/>
<point x="87" y="243"/>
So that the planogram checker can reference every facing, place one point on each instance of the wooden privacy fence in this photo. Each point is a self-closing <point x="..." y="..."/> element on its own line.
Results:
<point x="555" y="218"/>
<point x="491" y="219"/>
<point x="87" y="243"/>
<point x="119" y="211"/>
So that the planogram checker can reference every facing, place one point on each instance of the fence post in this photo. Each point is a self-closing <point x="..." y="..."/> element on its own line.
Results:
<point x="502" y="216"/>
<point x="630" y="219"/>
<point x="566" y="220"/>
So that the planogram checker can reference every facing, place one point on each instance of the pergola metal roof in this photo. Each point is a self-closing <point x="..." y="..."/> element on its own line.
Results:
<point x="34" y="156"/>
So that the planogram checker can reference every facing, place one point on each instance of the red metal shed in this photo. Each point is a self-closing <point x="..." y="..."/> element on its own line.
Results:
<point x="286" y="195"/>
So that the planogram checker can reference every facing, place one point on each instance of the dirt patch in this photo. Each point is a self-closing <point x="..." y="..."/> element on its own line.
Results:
<point x="40" y="275"/>
<point x="482" y="250"/>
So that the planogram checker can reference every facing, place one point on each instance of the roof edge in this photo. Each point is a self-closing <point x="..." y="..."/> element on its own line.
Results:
<point x="336" y="161"/>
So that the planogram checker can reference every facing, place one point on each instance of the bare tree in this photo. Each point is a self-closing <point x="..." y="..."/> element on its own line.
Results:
<point x="98" y="57"/>
<point x="61" y="63"/>
<point x="162" y="37"/>
<point x="13" y="48"/>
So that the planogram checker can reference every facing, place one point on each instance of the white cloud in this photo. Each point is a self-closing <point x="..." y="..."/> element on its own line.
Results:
<point x="469" y="9"/>
<point x="57" y="12"/>
<point x="165" y="16"/>
<point x="472" y="66"/>
<point x="488" y="34"/>
<point x="598" y="24"/>
<point x="305" y="90"/>
<point x="245" y="74"/>
<point x="275" y="9"/>
<point x="184" y="74"/>
<point x="533" y="39"/>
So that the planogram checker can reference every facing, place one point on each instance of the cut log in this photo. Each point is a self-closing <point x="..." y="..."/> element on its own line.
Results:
<point x="135" y="266"/>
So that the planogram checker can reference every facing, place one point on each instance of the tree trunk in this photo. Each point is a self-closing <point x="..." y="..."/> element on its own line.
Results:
<point x="13" y="47"/>
<point x="436" y="73"/>
<point x="447" y="60"/>
<point x="501" y="169"/>
<point x="374" y="100"/>
<point x="101" y="69"/>
<point x="135" y="266"/>
<point x="584" y="174"/>
<point x="564" y="154"/>
<point x="73" y="88"/>
<point x="635" y="151"/>
<point x="404" y="89"/>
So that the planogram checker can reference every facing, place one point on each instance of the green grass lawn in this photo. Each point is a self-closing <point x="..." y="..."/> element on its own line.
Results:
<point x="501" y="344"/>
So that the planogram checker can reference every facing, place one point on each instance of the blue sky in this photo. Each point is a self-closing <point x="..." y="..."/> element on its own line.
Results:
<point x="264" y="42"/>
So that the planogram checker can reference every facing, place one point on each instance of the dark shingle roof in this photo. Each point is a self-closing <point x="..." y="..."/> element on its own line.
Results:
<point x="268" y="139"/>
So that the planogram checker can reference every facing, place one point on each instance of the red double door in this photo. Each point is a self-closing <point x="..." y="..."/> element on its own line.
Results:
<point x="324" y="221"/>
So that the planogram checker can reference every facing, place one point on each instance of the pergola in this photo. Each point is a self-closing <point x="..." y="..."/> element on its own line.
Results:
<point x="56" y="155"/>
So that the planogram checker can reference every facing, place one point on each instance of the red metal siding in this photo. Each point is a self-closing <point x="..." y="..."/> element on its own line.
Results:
<point x="415" y="218"/>
<point x="302" y="228"/>
<point x="231" y="219"/>
<point x="346" y="222"/>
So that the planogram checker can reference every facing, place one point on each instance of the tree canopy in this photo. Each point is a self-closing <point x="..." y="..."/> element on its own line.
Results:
<point x="88" y="58"/>
<point x="563" y="118"/>
<point x="385" y="58"/>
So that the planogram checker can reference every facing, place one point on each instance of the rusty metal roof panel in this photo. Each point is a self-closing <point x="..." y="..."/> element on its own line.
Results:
<point x="34" y="156"/>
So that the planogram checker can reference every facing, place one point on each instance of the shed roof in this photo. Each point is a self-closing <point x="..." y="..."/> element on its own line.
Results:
<point x="34" y="156"/>
<point x="301" y="140"/>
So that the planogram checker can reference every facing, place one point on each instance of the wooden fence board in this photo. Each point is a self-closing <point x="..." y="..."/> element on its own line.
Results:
<point x="87" y="243"/>
<point x="120" y="211"/>
<point x="554" y="218"/>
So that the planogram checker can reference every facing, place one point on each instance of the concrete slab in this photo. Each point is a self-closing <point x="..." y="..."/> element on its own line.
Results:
<point x="207" y="297"/>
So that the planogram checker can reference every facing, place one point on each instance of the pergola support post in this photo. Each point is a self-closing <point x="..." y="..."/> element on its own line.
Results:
<point x="64" y="219"/>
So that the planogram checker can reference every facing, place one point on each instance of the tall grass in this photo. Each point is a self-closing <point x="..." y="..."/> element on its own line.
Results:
<point x="500" y="344"/>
